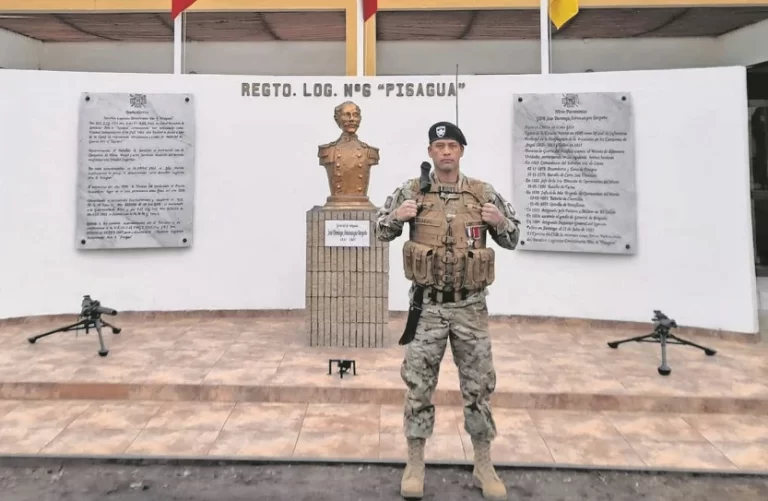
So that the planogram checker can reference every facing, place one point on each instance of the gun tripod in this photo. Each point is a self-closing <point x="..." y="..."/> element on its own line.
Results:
<point x="660" y="334"/>
<point x="90" y="316"/>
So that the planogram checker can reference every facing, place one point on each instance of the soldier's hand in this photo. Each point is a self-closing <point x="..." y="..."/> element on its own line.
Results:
<point x="491" y="215"/>
<point x="406" y="211"/>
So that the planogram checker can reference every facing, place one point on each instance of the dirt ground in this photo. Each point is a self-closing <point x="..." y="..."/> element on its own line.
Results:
<point x="311" y="482"/>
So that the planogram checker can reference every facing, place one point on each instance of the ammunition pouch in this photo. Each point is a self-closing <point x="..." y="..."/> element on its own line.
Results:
<point x="480" y="268"/>
<point x="423" y="265"/>
<point x="418" y="263"/>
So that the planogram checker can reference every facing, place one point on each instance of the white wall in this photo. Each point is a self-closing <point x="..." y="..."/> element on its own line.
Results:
<point x="256" y="160"/>
<point x="394" y="58"/>
<point x="19" y="52"/>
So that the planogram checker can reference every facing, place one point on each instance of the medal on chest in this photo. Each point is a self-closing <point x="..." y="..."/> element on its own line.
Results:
<point x="474" y="233"/>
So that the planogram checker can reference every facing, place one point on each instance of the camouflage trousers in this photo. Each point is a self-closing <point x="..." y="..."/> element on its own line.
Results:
<point x="465" y="325"/>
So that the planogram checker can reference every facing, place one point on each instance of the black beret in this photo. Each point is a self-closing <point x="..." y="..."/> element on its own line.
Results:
<point x="446" y="130"/>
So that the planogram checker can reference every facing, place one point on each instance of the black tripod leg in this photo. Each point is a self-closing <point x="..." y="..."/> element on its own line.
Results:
<point x="708" y="351"/>
<point x="664" y="369"/>
<point x="115" y="330"/>
<point x="103" y="351"/>
<point x="74" y="326"/>
<point x="615" y="344"/>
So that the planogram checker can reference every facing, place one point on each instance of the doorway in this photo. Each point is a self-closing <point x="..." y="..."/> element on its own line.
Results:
<point x="757" y="116"/>
<point x="758" y="157"/>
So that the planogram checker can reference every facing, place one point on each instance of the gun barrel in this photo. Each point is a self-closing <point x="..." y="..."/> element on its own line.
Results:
<point x="105" y="311"/>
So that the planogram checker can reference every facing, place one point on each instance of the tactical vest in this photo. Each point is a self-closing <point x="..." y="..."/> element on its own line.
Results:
<point x="450" y="254"/>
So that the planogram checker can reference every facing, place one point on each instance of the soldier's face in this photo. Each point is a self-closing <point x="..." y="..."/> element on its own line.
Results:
<point x="445" y="154"/>
<point x="349" y="118"/>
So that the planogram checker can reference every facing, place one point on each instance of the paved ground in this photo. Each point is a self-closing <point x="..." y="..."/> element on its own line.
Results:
<point x="230" y="359"/>
<point x="352" y="482"/>
<point x="714" y="442"/>
<point x="244" y="388"/>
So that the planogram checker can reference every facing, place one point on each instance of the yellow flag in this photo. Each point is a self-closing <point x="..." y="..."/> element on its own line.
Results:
<point x="561" y="11"/>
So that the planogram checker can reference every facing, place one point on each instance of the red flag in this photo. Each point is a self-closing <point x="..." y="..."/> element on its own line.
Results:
<point x="179" y="6"/>
<point x="369" y="8"/>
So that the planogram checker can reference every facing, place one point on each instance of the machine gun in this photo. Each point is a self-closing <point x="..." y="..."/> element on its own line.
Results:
<point x="663" y="322"/>
<point x="90" y="317"/>
<point x="662" y="326"/>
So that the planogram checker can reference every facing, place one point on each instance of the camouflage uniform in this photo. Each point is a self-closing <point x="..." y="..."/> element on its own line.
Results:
<point x="451" y="266"/>
<point x="465" y="322"/>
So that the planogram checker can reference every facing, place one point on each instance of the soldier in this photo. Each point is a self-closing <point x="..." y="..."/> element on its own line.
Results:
<point x="450" y="266"/>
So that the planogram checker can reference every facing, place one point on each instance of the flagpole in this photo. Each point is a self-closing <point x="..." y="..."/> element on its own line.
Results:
<point x="178" y="44"/>
<point x="360" y="38"/>
<point x="546" y="63"/>
<point x="184" y="42"/>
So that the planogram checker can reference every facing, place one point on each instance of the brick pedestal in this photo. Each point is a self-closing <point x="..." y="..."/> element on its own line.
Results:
<point x="347" y="288"/>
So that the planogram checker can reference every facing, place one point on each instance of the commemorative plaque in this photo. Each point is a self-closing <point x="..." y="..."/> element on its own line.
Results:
<point x="135" y="186"/>
<point x="574" y="172"/>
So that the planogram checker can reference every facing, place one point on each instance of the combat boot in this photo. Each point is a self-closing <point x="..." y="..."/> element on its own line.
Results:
<point x="412" y="484"/>
<point x="484" y="474"/>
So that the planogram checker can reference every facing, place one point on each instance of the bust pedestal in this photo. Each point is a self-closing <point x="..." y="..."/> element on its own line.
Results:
<point x="347" y="281"/>
<point x="349" y="202"/>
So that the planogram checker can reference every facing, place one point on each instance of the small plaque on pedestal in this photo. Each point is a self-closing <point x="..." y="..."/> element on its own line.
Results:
<point x="348" y="233"/>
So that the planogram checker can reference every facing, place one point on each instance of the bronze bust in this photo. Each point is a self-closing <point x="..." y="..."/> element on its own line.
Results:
<point x="348" y="161"/>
